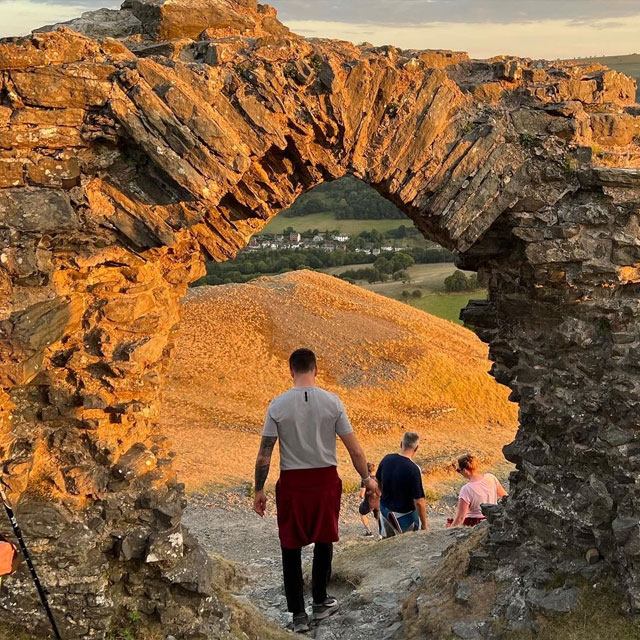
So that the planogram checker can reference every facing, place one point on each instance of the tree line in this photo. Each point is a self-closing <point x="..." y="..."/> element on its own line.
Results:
<point x="394" y="266"/>
<point x="249" y="265"/>
<point x="348" y="199"/>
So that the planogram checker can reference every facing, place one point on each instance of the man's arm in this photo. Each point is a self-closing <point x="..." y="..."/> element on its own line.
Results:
<point x="358" y="458"/>
<point x="419" y="499"/>
<point x="263" y="462"/>
<point x="421" y="506"/>
<point x="356" y="452"/>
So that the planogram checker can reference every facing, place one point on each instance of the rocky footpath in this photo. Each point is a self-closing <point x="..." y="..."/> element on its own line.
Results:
<point x="167" y="133"/>
<point x="371" y="578"/>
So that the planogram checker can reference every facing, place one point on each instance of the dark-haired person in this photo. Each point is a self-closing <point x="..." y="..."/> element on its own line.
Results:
<point x="306" y="420"/>
<point x="402" y="503"/>
<point x="481" y="488"/>
<point x="370" y="502"/>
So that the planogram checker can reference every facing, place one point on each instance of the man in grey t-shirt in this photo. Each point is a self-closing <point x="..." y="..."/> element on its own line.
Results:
<point x="307" y="419"/>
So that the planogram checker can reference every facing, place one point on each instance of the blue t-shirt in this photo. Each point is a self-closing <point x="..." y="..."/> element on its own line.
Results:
<point x="401" y="481"/>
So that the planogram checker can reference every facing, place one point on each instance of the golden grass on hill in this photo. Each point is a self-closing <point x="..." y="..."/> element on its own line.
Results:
<point x="395" y="368"/>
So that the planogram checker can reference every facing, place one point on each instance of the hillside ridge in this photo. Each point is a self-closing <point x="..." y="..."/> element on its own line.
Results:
<point x="394" y="366"/>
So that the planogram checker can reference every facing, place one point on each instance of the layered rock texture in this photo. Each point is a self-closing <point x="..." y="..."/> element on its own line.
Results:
<point x="169" y="134"/>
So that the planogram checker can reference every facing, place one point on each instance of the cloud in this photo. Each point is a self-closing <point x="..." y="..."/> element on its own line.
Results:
<point x="22" y="16"/>
<point x="528" y="28"/>
<point x="562" y="39"/>
<point x="398" y="12"/>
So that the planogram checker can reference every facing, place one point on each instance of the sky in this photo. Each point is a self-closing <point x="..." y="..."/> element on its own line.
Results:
<point x="484" y="28"/>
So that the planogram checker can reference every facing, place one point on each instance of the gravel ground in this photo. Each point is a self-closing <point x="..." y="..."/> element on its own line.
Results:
<point x="370" y="601"/>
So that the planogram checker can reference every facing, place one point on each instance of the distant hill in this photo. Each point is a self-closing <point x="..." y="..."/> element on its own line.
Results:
<point x="395" y="367"/>
<point x="347" y="198"/>
<point x="348" y="205"/>
<point x="629" y="65"/>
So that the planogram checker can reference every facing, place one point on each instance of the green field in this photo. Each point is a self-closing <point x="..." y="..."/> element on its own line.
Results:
<point x="447" y="305"/>
<point x="328" y="222"/>
<point x="429" y="278"/>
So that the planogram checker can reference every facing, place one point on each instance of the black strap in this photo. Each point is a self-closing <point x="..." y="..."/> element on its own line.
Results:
<point x="25" y="552"/>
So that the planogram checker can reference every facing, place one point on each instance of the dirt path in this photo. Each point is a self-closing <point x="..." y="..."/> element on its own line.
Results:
<point x="371" y="578"/>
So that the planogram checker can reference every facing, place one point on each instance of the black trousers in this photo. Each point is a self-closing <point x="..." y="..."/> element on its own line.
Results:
<point x="320" y="575"/>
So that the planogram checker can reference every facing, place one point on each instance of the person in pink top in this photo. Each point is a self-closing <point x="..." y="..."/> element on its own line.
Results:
<point x="482" y="488"/>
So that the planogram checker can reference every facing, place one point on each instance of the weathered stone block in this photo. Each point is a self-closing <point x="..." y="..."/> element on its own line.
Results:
<point x="50" y="172"/>
<point x="37" y="210"/>
<point x="11" y="173"/>
<point x="165" y="20"/>
<point x="49" y="87"/>
<point x="5" y="114"/>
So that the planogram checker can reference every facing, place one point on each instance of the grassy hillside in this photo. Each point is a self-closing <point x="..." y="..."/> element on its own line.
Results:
<point x="429" y="278"/>
<point x="348" y="205"/>
<point x="447" y="305"/>
<point x="394" y="366"/>
<point x="327" y="221"/>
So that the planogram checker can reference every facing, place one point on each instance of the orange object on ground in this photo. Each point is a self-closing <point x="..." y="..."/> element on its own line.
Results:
<point x="7" y="557"/>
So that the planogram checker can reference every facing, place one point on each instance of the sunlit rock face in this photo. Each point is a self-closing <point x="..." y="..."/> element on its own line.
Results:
<point x="172" y="132"/>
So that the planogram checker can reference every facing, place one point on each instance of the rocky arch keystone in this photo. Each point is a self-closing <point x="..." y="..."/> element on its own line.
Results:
<point x="135" y="144"/>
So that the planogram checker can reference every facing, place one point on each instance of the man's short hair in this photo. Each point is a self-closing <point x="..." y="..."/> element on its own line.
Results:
<point x="410" y="440"/>
<point x="302" y="361"/>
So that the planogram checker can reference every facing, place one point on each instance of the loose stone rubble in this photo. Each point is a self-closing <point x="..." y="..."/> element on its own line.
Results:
<point x="174" y="130"/>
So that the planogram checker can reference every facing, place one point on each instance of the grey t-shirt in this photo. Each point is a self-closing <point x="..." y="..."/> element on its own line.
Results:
<point x="306" y="421"/>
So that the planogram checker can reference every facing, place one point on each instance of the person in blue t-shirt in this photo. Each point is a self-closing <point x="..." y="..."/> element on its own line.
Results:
<point x="402" y="504"/>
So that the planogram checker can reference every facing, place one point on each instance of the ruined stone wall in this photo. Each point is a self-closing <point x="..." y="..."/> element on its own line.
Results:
<point x="125" y="163"/>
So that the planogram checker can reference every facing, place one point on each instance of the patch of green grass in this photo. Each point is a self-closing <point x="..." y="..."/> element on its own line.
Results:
<point x="328" y="222"/>
<point x="429" y="278"/>
<point x="350" y="486"/>
<point x="432" y="496"/>
<point x="447" y="305"/>
<point x="598" y="616"/>
<point x="527" y="140"/>
<point x="9" y="632"/>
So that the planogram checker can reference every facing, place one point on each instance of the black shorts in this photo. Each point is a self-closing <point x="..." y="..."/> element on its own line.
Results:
<point x="364" y="508"/>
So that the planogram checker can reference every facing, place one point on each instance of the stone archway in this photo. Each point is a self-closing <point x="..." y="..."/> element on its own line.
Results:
<point x="124" y="163"/>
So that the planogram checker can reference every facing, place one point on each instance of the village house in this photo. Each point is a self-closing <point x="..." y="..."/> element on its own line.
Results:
<point x="294" y="237"/>
<point x="386" y="248"/>
<point x="340" y="237"/>
<point x="317" y="239"/>
<point x="328" y="246"/>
